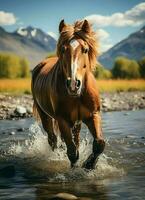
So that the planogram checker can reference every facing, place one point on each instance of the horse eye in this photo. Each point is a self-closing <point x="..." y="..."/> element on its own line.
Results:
<point x="85" y="50"/>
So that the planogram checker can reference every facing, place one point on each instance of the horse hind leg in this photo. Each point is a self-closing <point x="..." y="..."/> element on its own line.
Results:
<point x="48" y="125"/>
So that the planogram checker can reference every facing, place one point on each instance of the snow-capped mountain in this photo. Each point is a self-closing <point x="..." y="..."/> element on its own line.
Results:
<point x="29" y="42"/>
<point x="133" y="47"/>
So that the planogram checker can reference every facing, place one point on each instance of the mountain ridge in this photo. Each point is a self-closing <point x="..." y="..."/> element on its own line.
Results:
<point x="34" y="45"/>
<point x="132" y="47"/>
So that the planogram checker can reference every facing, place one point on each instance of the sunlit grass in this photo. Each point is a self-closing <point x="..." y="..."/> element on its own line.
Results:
<point x="18" y="86"/>
<point x="121" y="85"/>
<point x="15" y="85"/>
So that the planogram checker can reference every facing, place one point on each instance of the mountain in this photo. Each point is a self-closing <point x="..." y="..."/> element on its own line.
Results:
<point x="31" y="43"/>
<point x="133" y="47"/>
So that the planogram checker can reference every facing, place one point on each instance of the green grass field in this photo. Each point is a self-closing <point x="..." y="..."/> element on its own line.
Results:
<point x="18" y="86"/>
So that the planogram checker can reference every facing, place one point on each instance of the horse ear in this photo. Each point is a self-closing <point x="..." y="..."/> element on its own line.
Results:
<point x="61" y="25"/>
<point x="86" y="26"/>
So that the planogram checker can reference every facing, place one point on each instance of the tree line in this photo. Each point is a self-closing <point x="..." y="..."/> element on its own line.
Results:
<point x="123" y="68"/>
<point x="13" y="66"/>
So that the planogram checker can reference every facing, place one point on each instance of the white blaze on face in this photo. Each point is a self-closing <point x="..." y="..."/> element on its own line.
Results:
<point x="74" y="64"/>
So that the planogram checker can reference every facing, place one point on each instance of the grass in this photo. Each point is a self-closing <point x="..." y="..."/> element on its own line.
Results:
<point x="121" y="85"/>
<point x="18" y="86"/>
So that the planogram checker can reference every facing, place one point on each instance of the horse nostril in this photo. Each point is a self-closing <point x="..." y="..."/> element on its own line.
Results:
<point x="68" y="82"/>
<point x="78" y="83"/>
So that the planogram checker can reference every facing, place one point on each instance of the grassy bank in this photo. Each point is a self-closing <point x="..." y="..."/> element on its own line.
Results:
<point x="24" y="85"/>
<point x="121" y="85"/>
<point x="15" y="85"/>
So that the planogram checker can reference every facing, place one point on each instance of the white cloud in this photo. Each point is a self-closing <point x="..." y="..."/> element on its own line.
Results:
<point x="102" y="34"/>
<point x="7" y="18"/>
<point x="104" y="40"/>
<point x="52" y="34"/>
<point x="133" y="17"/>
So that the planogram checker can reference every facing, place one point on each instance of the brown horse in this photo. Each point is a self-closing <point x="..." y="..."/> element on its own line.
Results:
<point x="65" y="92"/>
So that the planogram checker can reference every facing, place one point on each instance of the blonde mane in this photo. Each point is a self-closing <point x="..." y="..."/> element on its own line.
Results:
<point x="76" y="32"/>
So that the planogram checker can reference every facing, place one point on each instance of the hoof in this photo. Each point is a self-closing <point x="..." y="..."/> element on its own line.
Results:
<point x="90" y="163"/>
<point x="73" y="163"/>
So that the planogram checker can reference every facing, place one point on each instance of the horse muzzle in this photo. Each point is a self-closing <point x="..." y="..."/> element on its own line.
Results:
<point x="73" y="86"/>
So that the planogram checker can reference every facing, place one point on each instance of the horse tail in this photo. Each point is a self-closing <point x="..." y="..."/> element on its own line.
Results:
<point x="35" y="112"/>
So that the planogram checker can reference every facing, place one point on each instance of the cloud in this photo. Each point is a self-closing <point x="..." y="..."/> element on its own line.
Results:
<point x="52" y="34"/>
<point x="102" y="34"/>
<point x="133" y="17"/>
<point x="104" y="40"/>
<point x="7" y="18"/>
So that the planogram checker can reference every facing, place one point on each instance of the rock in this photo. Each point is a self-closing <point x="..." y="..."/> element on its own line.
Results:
<point x="29" y="110"/>
<point x="64" y="196"/>
<point x="20" y="129"/>
<point x="126" y="113"/>
<point x="20" y="110"/>
<point x="106" y="103"/>
<point x="12" y="133"/>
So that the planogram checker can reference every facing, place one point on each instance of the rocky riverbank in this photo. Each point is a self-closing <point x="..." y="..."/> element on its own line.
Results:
<point x="20" y="106"/>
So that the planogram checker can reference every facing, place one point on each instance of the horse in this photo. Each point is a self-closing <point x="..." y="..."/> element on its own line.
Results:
<point x="65" y="92"/>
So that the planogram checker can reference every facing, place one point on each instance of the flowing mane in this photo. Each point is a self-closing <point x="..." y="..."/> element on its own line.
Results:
<point x="75" y="32"/>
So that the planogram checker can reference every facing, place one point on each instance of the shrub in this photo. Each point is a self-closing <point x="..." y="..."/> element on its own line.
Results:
<point x="12" y="66"/>
<point x="25" y="69"/>
<point x="142" y="67"/>
<point x="102" y="73"/>
<point x="125" y="68"/>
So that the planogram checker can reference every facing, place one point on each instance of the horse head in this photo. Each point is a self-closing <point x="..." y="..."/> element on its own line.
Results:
<point x="77" y="53"/>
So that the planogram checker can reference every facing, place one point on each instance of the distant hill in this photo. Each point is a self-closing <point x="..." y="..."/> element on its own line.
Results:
<point x="133" y="47"/>
<point x="31" y="43"/>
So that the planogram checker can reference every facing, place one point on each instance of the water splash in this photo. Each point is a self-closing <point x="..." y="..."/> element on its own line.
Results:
<point x="34" y="155"/>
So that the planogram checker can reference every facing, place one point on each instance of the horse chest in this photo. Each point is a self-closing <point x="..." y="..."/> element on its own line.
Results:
<point x="73" y="111"/>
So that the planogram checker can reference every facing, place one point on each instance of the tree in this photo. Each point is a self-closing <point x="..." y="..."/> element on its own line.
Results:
<point x="125" y="68"/>
<point x="25" y="69"/>
<point x="12" y="66"/>
<point x="102" y="73"/>
<point x="142" y="67"/>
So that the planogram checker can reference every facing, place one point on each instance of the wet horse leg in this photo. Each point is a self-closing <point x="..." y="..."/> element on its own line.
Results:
<point x="94" y="125"/>
<point x="76" y="134"/>
<point x="47" y="123"/>
<point x="66" y="134"/>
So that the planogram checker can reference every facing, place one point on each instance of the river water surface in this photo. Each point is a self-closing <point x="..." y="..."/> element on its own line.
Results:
<point x="30" y="170"/>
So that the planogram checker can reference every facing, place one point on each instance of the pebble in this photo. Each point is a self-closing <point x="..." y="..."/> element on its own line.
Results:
<point x="20" y="110"/>
<point x="126" y="113"/>
<point x="110" y="102"/>
<point x="64" y="196"/>
<point x="12" y="133"/>
<point x="20" y="129"/>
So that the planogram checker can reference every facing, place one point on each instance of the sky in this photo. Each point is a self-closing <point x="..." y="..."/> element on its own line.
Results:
<point x="113" y="20"/>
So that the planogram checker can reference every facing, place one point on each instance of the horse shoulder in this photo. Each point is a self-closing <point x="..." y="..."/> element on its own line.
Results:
<point x="48" y="64"/>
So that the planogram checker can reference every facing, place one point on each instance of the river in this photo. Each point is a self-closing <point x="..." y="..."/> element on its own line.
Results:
<point x="30" y="170"/>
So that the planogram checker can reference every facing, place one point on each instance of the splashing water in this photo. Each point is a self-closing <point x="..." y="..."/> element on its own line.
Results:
<point x="37" y="159"/>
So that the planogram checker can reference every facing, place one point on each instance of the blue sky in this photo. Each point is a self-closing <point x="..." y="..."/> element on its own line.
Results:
<point x="113" y="20"/>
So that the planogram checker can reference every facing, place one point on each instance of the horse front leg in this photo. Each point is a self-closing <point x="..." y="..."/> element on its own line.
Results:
<point x="72" y="146"/>
<point x="94" y="125"/>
